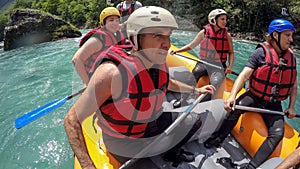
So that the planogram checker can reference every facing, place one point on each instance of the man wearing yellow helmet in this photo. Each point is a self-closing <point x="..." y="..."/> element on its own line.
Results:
<point x="97" y="41"/>
<point x="127" y="91"/>
<point x="216" y="47"/>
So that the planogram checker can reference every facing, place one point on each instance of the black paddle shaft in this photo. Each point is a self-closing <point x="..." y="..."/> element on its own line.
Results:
<point x="75" y="94"/>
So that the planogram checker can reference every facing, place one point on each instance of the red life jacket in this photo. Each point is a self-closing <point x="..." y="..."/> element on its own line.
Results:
<point x="140" y="101"/>
<point x="214" y="47"/>
<point x="128" y="11"/>
<point x="272" y="82"/>
<point x="106" y="37"/>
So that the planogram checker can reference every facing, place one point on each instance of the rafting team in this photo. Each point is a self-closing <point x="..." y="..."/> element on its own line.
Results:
<point x="127" y="78"/>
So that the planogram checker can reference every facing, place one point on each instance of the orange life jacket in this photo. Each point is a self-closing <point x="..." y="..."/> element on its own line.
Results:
<point x="214" y="47"/>
<point x="109" y="40"/>
<point x="140" y="101"/>
<point x="273" y="81"/>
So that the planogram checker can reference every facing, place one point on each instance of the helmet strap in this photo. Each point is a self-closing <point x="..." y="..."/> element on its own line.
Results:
<point x="139" y="48"/>
<point x="104" y="21"/>
<point x="213" y="21"/>
<point x="216" y="23"/>
<point x="144" y="55"/>
<point x="134" y="42"/>
<point x="218" y="27"/>
<point x="278" y="41"/>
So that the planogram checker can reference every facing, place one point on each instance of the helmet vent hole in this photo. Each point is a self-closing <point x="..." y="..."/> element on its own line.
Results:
<point x="154" y="12"/>
<point x="156" y="19"/>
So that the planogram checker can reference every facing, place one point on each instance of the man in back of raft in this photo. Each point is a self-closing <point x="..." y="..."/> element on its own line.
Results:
<point x="127" y="92"/>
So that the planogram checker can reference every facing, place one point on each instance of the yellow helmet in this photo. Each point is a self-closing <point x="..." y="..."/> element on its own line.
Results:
<point x="106" y="12"/>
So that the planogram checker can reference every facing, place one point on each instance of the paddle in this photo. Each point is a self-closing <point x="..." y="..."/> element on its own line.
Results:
<point x="254" y="109"/>
<point x="206" y="63"/>
<point x="165" y="133"/>
<point x="35" y="114"/>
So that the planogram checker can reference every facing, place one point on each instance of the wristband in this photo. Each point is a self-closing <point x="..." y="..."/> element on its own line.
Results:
<point x="193" y="90"/>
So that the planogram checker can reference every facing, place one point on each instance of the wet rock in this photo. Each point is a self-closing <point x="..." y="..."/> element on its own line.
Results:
<point x="29" y="26"/>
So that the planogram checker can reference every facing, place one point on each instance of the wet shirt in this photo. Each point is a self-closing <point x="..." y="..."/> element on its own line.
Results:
<point x="256" y="59"/>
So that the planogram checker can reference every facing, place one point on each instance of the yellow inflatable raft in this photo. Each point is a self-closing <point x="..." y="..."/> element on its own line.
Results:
<point x="250" y="130"/>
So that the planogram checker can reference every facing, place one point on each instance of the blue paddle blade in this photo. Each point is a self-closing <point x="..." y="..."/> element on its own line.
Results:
<point x="33" y="115"/>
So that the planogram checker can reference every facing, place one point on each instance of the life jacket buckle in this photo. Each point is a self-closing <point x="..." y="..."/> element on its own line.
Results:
<point x="282" y="63"/>
<point x="275" y="94"/>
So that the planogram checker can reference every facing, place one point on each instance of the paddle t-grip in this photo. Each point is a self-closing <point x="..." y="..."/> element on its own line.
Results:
<point x="231" y="104"/>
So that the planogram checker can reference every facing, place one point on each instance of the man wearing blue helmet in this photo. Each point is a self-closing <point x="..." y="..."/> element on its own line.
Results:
<point x="279" y="25"/>
<point x="272" y="74"/>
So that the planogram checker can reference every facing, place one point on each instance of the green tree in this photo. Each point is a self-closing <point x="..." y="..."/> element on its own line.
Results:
<point x="244" y="15"/>
<point x="294" y="12"/>
<point x="51" y="6"/>
<point x="94" y="9"/>
<point x="78" y="14"/>
<point x="63" y="10"/>
<point x="4" y="17"/>
<point x="22" y="4"/>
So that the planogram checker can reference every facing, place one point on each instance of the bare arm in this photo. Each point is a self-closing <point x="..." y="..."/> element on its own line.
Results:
<point x="97" y="92"/>
<point x="291" y="160"/>
<point x="91" y="46"/>
<point x="76" y="139"/>
<point x="293" y="98"/>
<point x="193" y="44"/>
<point x="238" y="85"/>
<point x="178" y="86"/>
<point x="230" y="55"/>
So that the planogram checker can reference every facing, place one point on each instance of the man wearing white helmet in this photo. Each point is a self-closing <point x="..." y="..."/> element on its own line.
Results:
<point x="127" y="90"/>
<point x="216" y="47"/>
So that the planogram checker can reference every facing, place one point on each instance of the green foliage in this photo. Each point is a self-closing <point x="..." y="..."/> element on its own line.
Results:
<point x="4" y="18"/>
<point x="83" y="14"/>
<point x="3" y="22"/>
<point x="244" y="15"/>
<point x="65" y="27"/>
<point x="22" y="4"/>
<point x="51" y="6"/>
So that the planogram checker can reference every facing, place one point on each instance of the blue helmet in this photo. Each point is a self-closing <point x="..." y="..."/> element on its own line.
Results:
<point x="280" y="25"/>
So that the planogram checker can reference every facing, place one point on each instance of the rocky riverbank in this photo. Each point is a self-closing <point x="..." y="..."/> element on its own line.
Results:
<point x="29" y="26"/>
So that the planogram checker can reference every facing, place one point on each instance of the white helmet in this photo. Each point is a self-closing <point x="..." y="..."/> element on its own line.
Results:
<point x="213" y="15"/>
<point x="146" y="17"/>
